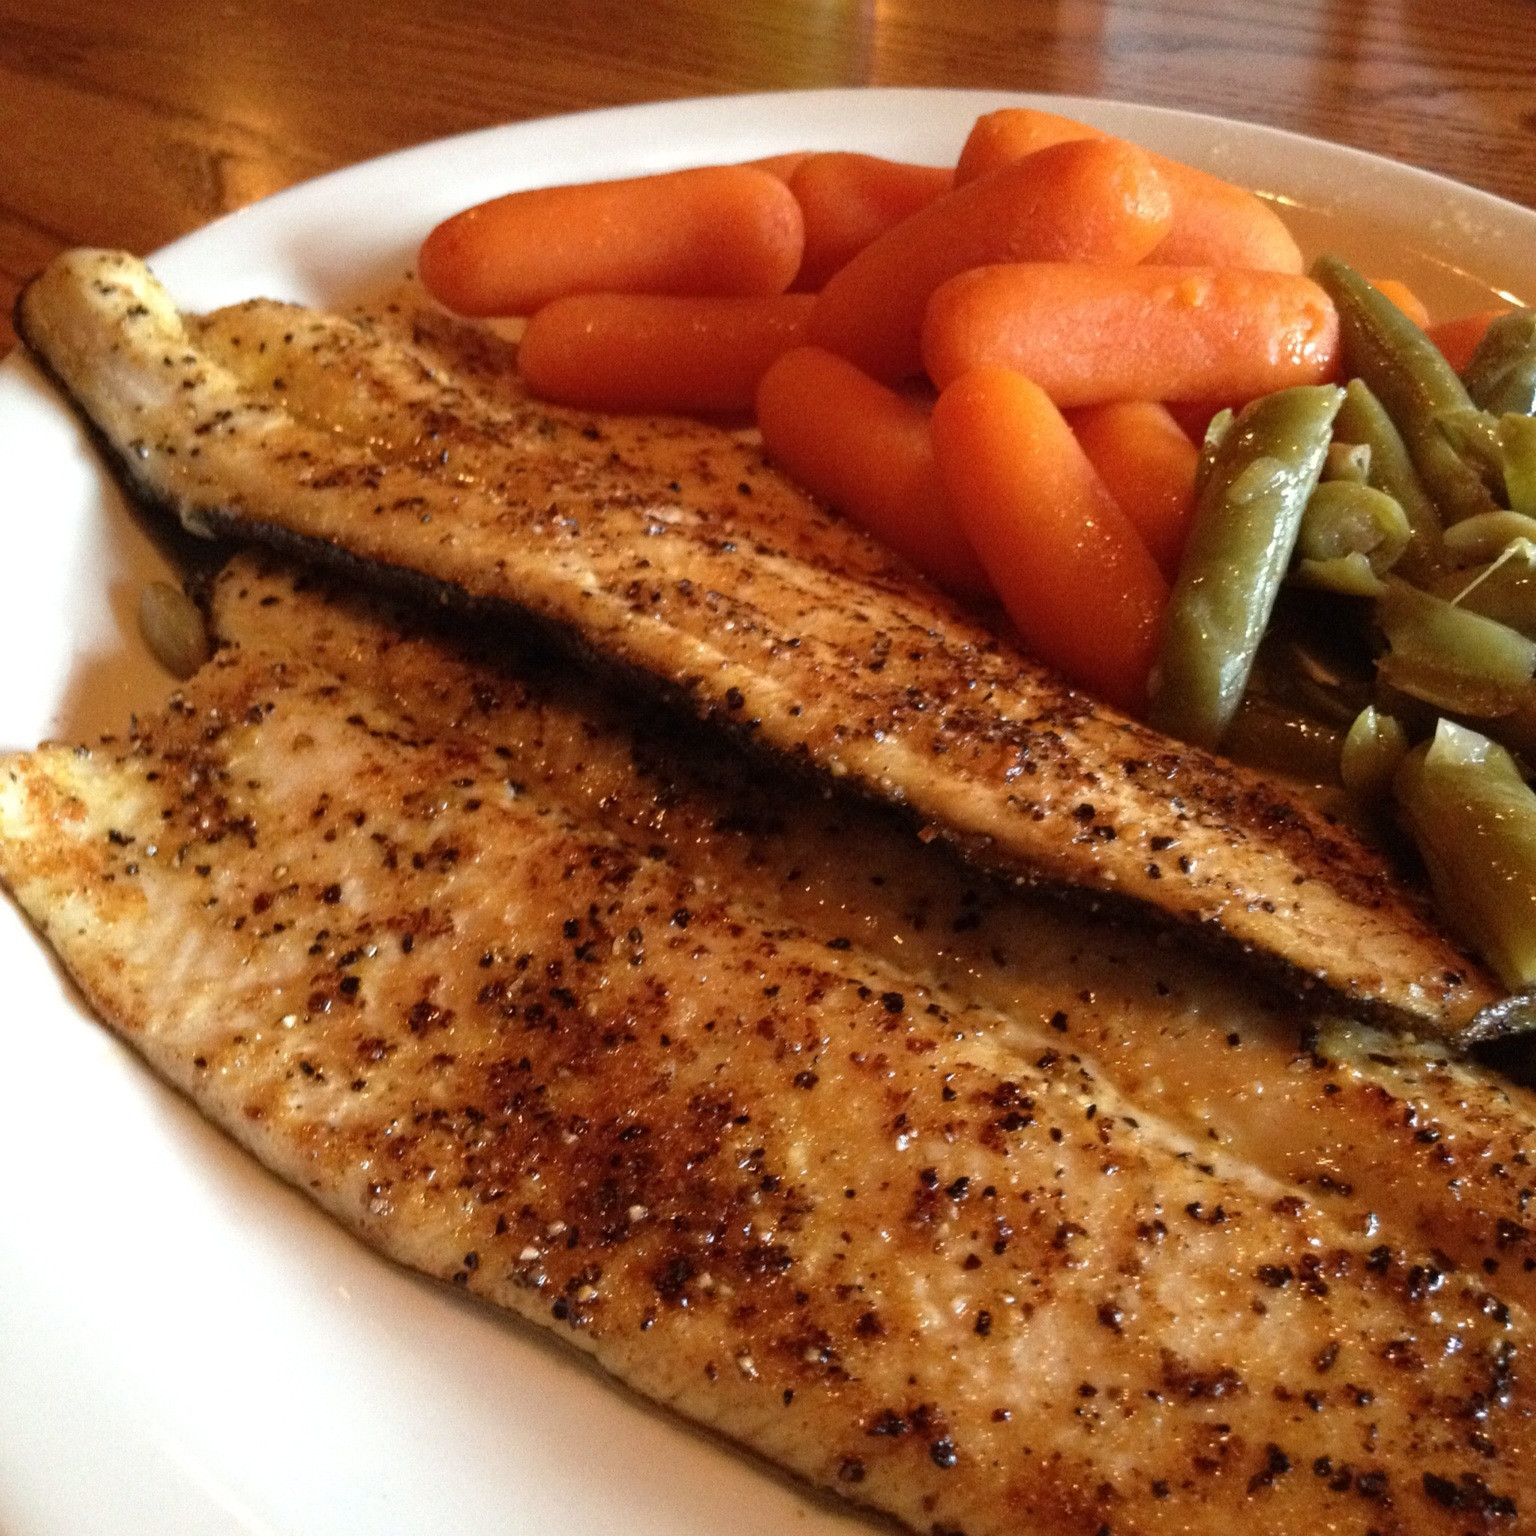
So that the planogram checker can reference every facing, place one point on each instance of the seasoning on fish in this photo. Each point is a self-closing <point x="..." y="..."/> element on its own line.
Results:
<point x="929" y="1255"/>
<point x="671" y="551"/>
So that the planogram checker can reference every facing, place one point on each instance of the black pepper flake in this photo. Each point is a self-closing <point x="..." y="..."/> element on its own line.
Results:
<point x="1372" y="1486"/>
<point x="806" y="1079"/>
<point x="892" y="1002"/>
<point x="942" y="1454"/>
<point x="1471" y="1494"/>
<point x="983" y="1322"/>
<point x="839" y="943"/>
<point x="331" y="895"/>
<point x="1059" y="1022"/>
<point x="349" y="985"/>
<point x="1276" y="1465"/>
<point x="681" y="918"/>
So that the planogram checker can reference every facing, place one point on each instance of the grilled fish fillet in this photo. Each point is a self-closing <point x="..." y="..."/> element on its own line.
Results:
<point x="920" y="1251"/>
<point x="1378" y="1130"/>
<point x="667" y="548"/>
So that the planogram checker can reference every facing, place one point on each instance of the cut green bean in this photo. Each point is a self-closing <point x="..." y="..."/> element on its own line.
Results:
<point x="1503" y="589"/>
<point x="1348" y="575"/>
<point x="1348" y="461"/>
<point x="1346" y="518"/>
<point x="1501" y="374"/>
<point x="1487" y="536"/>
<point x="1475" y="436"/>
<point x="1239" y="546"/>
<point x="1407" y="373"/>
<point x="1517" y="439"/>
<point x="1266" y="735"/>
<point x="1215" y="435"/>
<point x="1363" y="419"/>
<point x="1473" y="818"/>
<point x="1452" y="658"/>
<point x="1374" y="747"/>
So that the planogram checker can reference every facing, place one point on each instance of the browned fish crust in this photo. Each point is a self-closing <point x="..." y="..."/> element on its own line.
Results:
<point x="909" y="1247"/>
<point x="671" y="549"/>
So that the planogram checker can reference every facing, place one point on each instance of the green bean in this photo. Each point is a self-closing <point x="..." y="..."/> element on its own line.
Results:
<point x="1517" y="438"/>
<point x="1267" y="735"/>
<point x="1456" y="660"/>
<point x="1363" y="419"/>
<point x="1407" y="373"/>
<point x="1216" y="431"/>
<point x="1487" y="536"/>
<point x="1348" y="461"/>
<point x="1474" y="820"/>
<point x="1503" y="589"/>
<point x="1345" y="518"/>
<point x="1501" y="374"/>
<point x="1349" y="575"/>
<point x="1474" y="434"/>
<point x="1239" y="546"/>
<point x="1374" y="747"/>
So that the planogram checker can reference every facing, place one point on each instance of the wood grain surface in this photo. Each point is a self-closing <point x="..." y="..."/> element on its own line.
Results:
<point x="131" y="124"/>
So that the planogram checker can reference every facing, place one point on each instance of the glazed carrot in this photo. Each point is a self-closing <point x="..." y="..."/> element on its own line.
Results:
<point x="1077" y="581"/>
<point x="849" y="200"/>
<point x="1457" y="339"/>
<point x="866" y="451"/>
<point x="1215" y="224"/>
<point x="1091" y="334"/>
<point x="999" y="138"/>
<point x="1082" y="201"/>
<point x="1148" y="465"/>
<point x="654" y="352"/>
<point x="783" y="166"/>
<point x="725" y="229"/>
<point x="1405" y="299"/>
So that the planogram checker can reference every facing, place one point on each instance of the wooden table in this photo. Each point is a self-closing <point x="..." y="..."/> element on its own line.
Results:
<point x="130" y="124"/>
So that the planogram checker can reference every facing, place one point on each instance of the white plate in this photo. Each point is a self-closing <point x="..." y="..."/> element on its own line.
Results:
<point x="185" y="1344"/>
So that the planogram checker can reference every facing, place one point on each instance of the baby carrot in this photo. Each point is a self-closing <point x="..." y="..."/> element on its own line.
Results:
<point x="1148" y="465"/>
<point x="1073" y="202"/>
<point x="1090" y="334"/>
<point x="783" y="166"/>
<point x="1215" y="224"/>
<point x="657" y="352"/>
<point x="1077" y="581"/>
<point x="866" y="451"/>
<point x="1405" y="299"/>
<point x="1457" y="339"/>
<point x="724" y="229"/>
<point x="999" y="138"/>
<point x="849" y="200"/>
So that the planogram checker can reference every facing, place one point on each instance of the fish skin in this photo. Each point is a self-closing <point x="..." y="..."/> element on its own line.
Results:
<point x="739" y="595"/>
<point x="695" y="1122"/>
